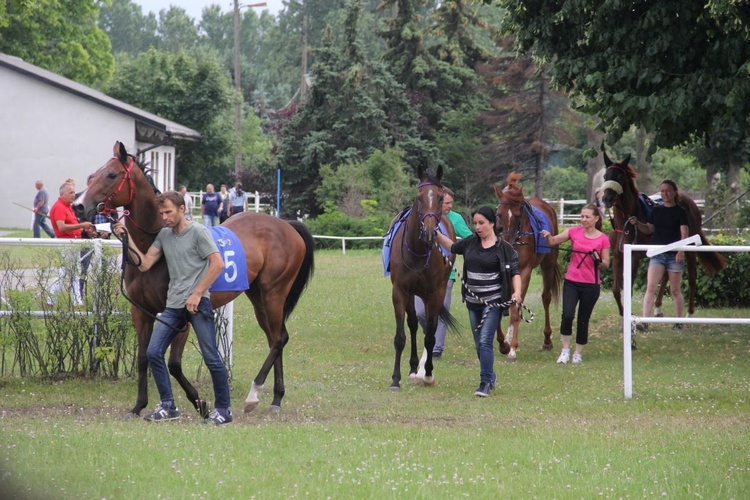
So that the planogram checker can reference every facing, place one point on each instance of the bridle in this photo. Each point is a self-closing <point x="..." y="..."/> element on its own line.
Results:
<point x="624" y="213"/>
<point x="103" y="207"/>
<point x="422" y="231"/>
<point x="516" y="234"/>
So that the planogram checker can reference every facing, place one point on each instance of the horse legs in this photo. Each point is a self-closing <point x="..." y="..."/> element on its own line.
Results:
<point x="547" y="266"/>
<point x="399" y="340"/>
<point x="515" y="316"/>
<point x="143" y="328"/>
<point x="175" y="369"/>
<point x="269" y="311"/>
<point x="692" y="274"/>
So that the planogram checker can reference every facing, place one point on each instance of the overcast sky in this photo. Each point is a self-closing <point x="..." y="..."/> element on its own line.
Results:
<point x="194" y="8"/>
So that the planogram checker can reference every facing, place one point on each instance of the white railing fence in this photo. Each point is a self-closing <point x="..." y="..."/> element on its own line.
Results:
<point x="572" y="215"/>
<point x="630" y="320"/>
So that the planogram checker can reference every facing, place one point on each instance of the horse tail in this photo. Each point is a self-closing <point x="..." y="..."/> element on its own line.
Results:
<point x="305" y="271"/>
<point x="450" y="320"/>
<point x="556" y="283"/>
<point x="711" y="262"/>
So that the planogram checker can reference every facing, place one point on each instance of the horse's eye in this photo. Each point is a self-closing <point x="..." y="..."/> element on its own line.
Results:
<point x="111" y="175"/>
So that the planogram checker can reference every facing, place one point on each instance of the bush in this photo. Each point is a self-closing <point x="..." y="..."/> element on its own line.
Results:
<point x="333" y="222"/>
<point x="729" y="287"/>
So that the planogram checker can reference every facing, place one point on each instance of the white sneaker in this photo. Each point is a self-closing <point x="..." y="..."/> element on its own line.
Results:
<point x="577" y="358"/>
<point x="564" y="356"/>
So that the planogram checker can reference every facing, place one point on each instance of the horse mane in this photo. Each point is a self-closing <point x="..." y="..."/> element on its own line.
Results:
<point x="147" y="173"/>
<point x="513" y="180"/>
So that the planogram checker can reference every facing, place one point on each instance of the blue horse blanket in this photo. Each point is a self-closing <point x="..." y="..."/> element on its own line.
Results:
<point x="539" y="222"/>
<point x="389" y="238"/>
<point x="234" y="276"/>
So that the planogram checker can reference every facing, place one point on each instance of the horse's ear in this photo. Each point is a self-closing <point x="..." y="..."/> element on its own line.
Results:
<point x="626" y="161"/>
<point x="607" y="162"/>
<point x="498" y="191"/>
<point x="421" y="170"/>
<point x="120" y="152"/>
<point x="439" y="173"/>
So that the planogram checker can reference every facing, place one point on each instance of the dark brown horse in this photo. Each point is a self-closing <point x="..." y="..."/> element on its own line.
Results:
<point x="514" y="224"/>
<point x="622" y="196"/>
<point x="278" y="254"/>
<point x="417" y="267"/>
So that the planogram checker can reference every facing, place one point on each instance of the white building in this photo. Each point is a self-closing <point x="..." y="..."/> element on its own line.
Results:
<point x="52" y="129"/>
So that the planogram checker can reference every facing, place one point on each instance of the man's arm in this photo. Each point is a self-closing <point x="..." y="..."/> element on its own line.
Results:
<point x="215" y="266"/>
<point x="152" y="256"/>
<point x="64" y="227"/>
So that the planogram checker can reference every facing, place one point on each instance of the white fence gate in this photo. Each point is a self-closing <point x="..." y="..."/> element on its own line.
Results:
<point x="629" y="320"/>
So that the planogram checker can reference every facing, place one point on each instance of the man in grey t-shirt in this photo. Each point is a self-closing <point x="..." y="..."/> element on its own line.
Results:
<point x="194" y="263"/>
<point x="41" y="211"/>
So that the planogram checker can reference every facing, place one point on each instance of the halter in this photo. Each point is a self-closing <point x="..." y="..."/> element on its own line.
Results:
<point x="437" y="216"/>
<point x="105" y="210"/>
<point x="517" y="233"/>
<point x="405" y="242"/>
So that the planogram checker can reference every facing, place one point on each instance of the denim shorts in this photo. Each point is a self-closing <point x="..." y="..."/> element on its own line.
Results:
<point x="668" y="260"/>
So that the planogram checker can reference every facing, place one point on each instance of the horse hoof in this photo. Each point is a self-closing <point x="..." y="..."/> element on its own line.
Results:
<point x="202" y="408"/>
<point x="414" y="378"/>
<point x="274" y="409"/>
<point x="428" y="381"/>
<point x="546" y="347"/>
<point x="250" y="406"/>
<point x="508" y="359"/>
<point x="395" y="388"/>
<point x="131" y="415"/>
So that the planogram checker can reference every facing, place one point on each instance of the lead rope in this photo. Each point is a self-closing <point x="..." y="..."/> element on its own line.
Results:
<point x="501" y="305"/>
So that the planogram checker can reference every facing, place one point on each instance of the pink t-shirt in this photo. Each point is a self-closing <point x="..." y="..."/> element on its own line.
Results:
<point x="581" y="267"/>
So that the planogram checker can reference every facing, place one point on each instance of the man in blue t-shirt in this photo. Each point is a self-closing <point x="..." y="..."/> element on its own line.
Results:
<point x="211" y="205"/>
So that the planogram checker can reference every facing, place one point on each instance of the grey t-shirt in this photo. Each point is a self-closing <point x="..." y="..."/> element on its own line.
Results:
<point x="187" y="260"/>
<point x="41" y="195"/>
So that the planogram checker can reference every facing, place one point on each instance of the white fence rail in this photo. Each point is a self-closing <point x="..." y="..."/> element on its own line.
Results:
<point x="571" y="216"/>
<point x="629" y="320"/>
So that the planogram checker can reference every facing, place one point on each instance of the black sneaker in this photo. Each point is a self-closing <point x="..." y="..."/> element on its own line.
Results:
<point x="484" y="390"/>
<point x="437" y="355"/>
<point x="221" y="416"/>
<point x="642" y="327"/>
<point x="163" y="413"/>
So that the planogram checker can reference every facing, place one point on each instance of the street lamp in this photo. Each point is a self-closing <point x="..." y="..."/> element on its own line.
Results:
<point x="237" y="86"/>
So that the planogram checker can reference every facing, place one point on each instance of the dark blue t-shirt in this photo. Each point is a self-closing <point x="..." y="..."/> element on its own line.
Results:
<point x="211" y="202"/>
<point x="667" y="222"/>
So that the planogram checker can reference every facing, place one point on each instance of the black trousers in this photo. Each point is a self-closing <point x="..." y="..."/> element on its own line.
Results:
<point x="583" y="296"/>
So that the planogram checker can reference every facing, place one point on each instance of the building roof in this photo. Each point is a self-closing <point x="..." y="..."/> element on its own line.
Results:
<point x="170" y="128"/>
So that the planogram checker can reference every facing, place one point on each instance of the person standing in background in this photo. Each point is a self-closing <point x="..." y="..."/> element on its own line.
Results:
<point x="462" y="231"/>
<point x="188" y="203"/>
<point x="41" y="210"/>
<point x="66" y="225"/>
<point x="224" y="212"/>
<point x="238" y="200"/>
<point x="210" y="206"/>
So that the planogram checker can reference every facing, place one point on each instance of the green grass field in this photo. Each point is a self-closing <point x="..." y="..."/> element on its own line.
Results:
<point x="548" y="431"/>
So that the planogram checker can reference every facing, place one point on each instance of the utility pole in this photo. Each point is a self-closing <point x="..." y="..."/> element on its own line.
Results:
<point x="237" y="84"/>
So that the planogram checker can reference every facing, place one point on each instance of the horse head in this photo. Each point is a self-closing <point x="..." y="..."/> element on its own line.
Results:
<point x="111" y="186"/>
<point x="429" y="203"/>
<point x="510" y="208"/>
<point x="618" y="178"/>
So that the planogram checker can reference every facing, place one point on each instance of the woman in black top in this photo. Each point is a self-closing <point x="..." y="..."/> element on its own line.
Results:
<point x="668" y="223"/>
<point x="491" y="277"/>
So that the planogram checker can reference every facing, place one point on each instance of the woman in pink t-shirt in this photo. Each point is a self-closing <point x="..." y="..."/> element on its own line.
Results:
<point x="590" y="253"/>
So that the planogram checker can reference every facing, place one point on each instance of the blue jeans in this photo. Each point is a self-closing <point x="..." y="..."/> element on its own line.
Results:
<point x="203" y="324"/>
<point x="483" y="339"/>
<point x="210" y="220"/>
<point x="42" y="222"/>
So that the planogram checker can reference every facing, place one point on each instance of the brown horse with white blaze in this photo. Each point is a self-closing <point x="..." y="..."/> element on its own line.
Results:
<point x="418" y="268"/>
<point x="278" y="257"/>
<point x="514" y="224"/>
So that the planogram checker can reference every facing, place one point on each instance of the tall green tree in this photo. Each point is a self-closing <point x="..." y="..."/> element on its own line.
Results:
<point x="679" y="68"/>
<point x="61" y="37"/>
<point x="354" y="108"/>
<point x="192" y="89"/>
<point x="128" y="29"/>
